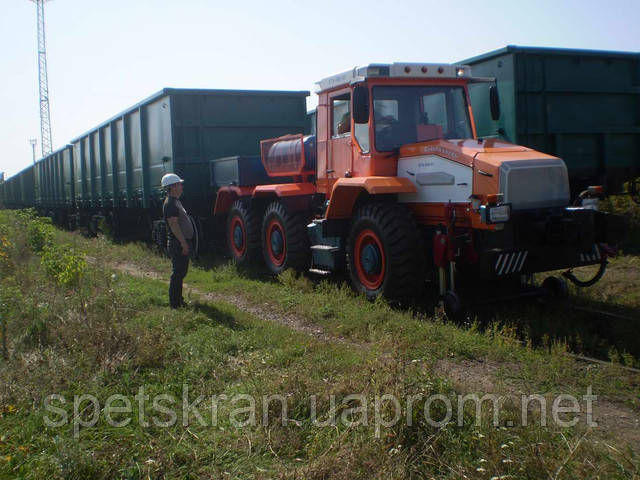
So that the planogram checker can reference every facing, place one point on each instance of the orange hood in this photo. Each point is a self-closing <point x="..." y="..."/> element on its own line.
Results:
<point x="485" y="157"/>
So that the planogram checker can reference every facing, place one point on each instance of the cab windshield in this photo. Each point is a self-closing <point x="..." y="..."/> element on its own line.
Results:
<point x="404" y="115"/>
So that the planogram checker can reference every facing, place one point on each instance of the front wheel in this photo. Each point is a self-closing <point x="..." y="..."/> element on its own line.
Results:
<point x="385" y="254"/>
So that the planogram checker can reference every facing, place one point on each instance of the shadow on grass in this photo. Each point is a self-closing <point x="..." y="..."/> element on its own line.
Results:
<point x="544" y="321"/>
<point x="216" y="315"/>
<point x="215" y="259"/>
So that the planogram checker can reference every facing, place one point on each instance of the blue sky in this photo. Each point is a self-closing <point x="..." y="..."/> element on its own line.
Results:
<point x="105" y="56"/>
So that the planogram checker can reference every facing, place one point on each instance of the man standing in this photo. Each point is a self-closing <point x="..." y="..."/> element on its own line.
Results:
<point x="180" y="236"/>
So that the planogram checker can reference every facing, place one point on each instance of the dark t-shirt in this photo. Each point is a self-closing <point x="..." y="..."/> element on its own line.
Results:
<point x="173" y="208"/>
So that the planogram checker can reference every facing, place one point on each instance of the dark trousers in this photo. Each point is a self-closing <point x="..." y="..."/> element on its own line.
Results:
<point x="180" y="264"/>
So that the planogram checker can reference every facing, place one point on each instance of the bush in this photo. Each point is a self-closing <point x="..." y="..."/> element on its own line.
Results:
<point x="39" y="234"/>
<point x="63" y="264"/>
<point x="26" y="214"/>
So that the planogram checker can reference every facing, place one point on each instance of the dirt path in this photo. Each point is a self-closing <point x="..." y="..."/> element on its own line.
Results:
<point x="468" y="376"/>
<point x="264" y="311"/>
<point x="482" y="376"/>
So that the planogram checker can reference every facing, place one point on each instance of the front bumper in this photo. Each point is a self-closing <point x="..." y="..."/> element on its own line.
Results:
<point x="548" y="239"/>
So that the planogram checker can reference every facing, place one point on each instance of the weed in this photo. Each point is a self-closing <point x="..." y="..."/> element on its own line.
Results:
<point x="40" y="234"/>
<point x="64" y="264"/>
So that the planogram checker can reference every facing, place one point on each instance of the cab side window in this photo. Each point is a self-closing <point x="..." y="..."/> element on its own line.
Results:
<point x="341" y="116"/>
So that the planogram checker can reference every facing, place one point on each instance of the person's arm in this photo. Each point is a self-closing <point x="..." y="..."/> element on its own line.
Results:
<point x="177" y="231"/>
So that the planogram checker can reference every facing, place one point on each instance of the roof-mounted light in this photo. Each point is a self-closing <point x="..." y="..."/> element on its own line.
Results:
<point x="409" y="70"/>
<point x="429" y="70"/>
<point x="373" y="71"/>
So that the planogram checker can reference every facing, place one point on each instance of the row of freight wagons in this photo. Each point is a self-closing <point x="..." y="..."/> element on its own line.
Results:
<point x="119" y="164"/>
<point x="581" y="105"/>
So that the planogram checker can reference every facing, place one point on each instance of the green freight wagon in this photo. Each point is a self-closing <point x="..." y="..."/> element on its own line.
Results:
<point x="581" y="105"/>
<point x="54" y="180"/>
<point x="19" y="189"/>
<point x="120" y="163"/>
<point x="310" y="129"/>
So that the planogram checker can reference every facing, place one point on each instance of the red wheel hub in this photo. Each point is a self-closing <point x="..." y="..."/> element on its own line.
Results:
<point x="276" y="242"/>
<point x="237" y="237"/>
<point x="369" y="259"/>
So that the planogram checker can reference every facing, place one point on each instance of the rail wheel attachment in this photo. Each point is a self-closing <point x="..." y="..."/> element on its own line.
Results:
<point x="452" y="304"/>
<point x="557" y="287"/>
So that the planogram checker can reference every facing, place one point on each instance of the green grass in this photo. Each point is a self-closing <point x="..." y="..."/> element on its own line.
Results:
<point x="112" y="333"/>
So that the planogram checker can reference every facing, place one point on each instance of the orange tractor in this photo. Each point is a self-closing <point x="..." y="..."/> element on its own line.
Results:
<point x="395" y="184"/>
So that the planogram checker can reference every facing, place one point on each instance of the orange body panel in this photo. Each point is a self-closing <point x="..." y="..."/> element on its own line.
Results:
<point x="444" y="148"/>
<point x="346" y="191"/>
<point x="285" y="189"/>
<point x="485" y="157"/>
<point x="489" y="162"/>
<point x="227" y="195"/>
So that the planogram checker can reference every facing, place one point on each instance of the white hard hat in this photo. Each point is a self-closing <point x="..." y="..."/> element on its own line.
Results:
<point x="170" y="179"/>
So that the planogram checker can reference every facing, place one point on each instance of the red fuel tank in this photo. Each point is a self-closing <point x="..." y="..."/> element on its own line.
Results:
<point x="289" y="155"/>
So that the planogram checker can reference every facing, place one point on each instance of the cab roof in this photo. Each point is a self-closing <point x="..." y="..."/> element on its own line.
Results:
<point x="404" y="70"/>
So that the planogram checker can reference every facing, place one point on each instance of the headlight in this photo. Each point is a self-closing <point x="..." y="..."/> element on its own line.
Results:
<point x="495" y="214"/>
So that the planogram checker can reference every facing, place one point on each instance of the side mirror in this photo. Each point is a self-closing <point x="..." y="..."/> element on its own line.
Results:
<point x="360" y="104"/>
<point x="494" y="102"/>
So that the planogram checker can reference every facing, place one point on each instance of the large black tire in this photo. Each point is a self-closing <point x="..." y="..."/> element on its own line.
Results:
<point x="385" y="252"/>
<point x="285" y="241"/>
<point x="243" y="233"/>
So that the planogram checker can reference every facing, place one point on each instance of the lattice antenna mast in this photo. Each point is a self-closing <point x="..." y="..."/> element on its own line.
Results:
<point x="45" y="117"/>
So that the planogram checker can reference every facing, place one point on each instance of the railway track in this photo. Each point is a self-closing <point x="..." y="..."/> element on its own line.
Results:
<point x="601" y="313"/>
<point x="588" y="329"/>
<point x="601" y="362"/>
<point x="615" y="315"/>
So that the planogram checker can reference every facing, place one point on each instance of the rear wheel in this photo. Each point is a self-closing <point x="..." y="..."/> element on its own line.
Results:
<point x="285" y="242"/>
<point x="385" y="255"/>
<point x="243" y="233"/>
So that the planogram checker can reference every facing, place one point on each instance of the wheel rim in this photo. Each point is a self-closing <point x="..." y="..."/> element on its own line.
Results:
<point x="237" y="237"/>
<point x="276" y="243"/>
<point x="369" y="259"/>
